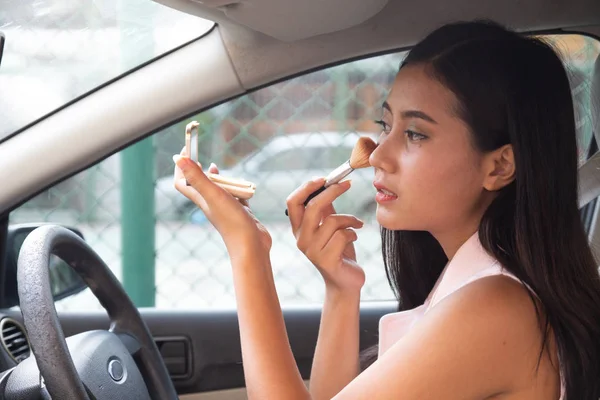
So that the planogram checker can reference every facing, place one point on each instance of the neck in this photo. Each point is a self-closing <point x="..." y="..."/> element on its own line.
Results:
<point x="453" y="240"/>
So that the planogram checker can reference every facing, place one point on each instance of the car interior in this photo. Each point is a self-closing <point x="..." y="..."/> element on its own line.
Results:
<point x="124" y="350"/>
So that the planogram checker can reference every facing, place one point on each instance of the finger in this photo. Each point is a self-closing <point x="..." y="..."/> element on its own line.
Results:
<point x="295" y="201"/>
<point x="312" y="214"/>
<point x="328" y="210"/>
<point x="191" y="193"/>
<point x="331" y="225"/>
<point x="339" y="241"/>
<point x="178" y="174"/>
<point x="213" y="168"/>
<point x="314" y="209"/>
<point x="193" y="174"/>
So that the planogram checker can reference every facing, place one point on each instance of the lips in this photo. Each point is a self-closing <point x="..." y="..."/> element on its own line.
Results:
<point x="383" y="194"/>
<point x="386" y="192"/>
<point x="382" y="189"/>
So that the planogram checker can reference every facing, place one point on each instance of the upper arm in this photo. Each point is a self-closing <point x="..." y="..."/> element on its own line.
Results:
<point x="479" y="341"/>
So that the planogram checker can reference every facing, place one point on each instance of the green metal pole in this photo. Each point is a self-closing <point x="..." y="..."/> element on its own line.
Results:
<point x="90" y="204"/>
<point x="138" y="222"/>
<point x="137" y="190"/>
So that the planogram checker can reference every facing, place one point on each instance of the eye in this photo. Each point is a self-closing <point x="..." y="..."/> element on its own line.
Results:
<point x="384" y="126"/>
<point x="414" y="136"/>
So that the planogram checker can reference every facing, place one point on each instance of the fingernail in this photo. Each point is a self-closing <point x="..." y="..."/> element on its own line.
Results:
<point x="213" y="165"/>
<point x="182" y="162"/>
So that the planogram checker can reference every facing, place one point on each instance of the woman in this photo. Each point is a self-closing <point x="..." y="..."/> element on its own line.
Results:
<point x="476" y="178"/>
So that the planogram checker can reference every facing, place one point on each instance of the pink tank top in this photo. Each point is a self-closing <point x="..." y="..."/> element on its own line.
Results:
<point x="471" y="262"/>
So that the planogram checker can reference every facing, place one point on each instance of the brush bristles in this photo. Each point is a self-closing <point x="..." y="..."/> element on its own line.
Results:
<point x="361" y="152"/>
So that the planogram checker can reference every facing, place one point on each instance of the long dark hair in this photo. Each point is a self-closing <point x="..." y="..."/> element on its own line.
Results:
<point x="514" y="89"/>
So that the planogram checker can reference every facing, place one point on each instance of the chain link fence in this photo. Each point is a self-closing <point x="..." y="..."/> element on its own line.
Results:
<point x="294" y="129"/>
<point x="279" y="137"/>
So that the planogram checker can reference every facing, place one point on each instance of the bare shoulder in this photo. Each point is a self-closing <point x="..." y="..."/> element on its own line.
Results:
<point x="496" y="315"/>
<point x="497" y="298"/>
<point x="481" y="341"/>
<point x="495" y="311"/>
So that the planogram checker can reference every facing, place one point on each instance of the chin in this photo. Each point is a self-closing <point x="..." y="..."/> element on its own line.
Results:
<point x="393" y="220"/>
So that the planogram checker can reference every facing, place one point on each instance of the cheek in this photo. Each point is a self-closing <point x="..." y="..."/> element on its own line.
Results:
<point x="435" y="173"/>
<point x="458" y="184"/>
<point x="437" y="189"/>
<point x="454" y="189"/>
<point x="455" y="176"/>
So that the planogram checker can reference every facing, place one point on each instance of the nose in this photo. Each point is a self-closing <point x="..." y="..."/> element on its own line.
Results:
<point x="380" y="157"/>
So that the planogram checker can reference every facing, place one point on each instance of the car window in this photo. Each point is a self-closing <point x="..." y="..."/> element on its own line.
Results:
<point x="294" y="159"/>
<point x="187" y="266"/>
<point x="337" y="155"/>
<point x="57" y="50"/>
<point x="307" y="158"/>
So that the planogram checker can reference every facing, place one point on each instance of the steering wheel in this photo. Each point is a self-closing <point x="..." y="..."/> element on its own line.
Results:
<point x="121" y="363"/>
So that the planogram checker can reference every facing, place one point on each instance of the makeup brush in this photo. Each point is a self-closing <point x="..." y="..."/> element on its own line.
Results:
<point x="358" y="159"/>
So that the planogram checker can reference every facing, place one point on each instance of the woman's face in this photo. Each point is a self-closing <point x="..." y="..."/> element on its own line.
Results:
<point x="428" y="174"/>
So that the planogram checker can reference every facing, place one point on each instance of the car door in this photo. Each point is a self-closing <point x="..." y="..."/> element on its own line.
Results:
<point x="189" y="302"/>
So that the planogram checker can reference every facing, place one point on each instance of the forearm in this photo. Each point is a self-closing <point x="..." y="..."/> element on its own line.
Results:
<point x="336" y="360"/>
<point x="269" y="366"/>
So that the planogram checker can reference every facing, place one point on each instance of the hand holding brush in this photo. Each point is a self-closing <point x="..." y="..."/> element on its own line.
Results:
<point x="358" y="159"/>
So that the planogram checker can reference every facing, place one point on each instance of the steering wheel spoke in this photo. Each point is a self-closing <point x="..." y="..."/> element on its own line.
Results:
<point x="130" y="342"/>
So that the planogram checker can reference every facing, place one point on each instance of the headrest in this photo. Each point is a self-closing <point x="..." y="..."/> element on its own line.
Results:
<point x="595" y="100"/>
<point x="589" y="181"/>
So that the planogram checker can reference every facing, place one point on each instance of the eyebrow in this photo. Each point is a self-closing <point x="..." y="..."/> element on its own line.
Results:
<point x="411" y="113"/>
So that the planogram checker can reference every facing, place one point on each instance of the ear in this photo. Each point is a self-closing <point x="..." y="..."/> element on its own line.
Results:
<point x="500" y="168"/>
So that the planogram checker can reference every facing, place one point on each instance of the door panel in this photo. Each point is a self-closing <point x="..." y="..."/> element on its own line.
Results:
<point x="230" y="394"/>
<point x="207" y="343"/>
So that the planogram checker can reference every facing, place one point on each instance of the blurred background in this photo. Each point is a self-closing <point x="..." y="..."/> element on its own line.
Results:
<point x="278" y="137"/>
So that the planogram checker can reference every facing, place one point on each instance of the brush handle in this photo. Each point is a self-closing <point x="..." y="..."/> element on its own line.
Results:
<point x="338" y="174"/>
<point x="334" y="177"/>
<point x="312" y="196"/>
